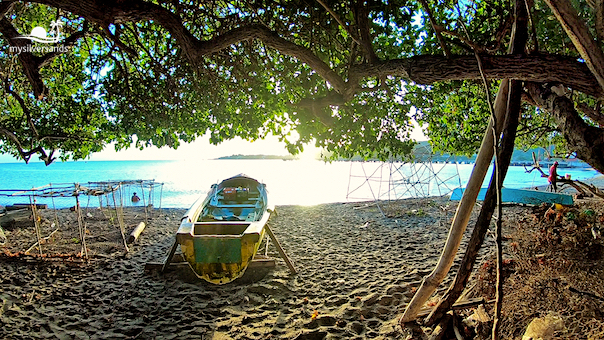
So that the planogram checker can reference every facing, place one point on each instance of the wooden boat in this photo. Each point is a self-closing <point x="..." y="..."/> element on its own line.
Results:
<point x="522" y="196"/>
<point x="220" y="234"/>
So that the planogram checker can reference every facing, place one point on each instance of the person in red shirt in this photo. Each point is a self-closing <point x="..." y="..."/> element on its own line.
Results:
<point x="553" y="176"/>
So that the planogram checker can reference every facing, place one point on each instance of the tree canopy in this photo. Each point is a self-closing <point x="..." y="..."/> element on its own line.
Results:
<point x="349" y="76"/>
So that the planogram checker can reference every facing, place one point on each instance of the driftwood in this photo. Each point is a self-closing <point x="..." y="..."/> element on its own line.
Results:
<point x="464" y="209"/>
<point x="136" y="233"/>
<point x="439" y="331"/>
<point x="42" y="239"/>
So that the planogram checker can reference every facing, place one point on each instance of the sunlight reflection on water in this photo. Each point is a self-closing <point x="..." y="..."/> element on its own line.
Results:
<point x="300" y="182"/>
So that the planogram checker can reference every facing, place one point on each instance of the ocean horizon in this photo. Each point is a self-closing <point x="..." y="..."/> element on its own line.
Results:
<point x="291" y="182"/>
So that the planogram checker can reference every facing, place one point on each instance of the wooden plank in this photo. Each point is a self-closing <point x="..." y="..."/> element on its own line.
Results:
<point x="261" y="263"/>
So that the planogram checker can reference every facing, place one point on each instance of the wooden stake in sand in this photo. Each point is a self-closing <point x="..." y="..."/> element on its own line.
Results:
<point x="35" y="216"/>
<point x="120" y="218"/>
<point x="144" y="203"/>
<point x="136" y="233"/>
<point x="82" y="228"/>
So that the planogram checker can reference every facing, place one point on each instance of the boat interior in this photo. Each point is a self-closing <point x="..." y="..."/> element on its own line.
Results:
<point x="220" y="229"/>
<point x="239" y="200"/>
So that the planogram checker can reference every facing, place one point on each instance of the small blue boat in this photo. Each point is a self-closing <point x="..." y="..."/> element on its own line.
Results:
<point x="523" y="196"/>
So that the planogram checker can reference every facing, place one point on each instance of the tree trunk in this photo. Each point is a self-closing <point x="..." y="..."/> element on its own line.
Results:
<point x="506" y="148"/>
<point x="586" y="140"/>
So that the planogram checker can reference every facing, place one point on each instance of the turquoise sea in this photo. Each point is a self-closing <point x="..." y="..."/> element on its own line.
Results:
<point x="300" y="182"/>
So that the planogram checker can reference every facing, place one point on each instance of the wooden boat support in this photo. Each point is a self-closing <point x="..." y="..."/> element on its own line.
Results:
<point x="221" y="233"/>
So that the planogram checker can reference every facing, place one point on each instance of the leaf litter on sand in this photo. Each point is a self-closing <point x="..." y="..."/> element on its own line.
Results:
<point x="555" y="267"/>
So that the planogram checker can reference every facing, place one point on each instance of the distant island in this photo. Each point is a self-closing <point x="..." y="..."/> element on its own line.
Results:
<point x="422" y="152"/>
<point x="282" y="157"/>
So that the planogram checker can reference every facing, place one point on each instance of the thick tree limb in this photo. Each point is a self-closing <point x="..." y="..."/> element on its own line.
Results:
<point x="429" y="69"/>
<point x="363" y="24"/>
<point x="426" y="70"/>
<point x="579" y="34"/>
<point x="587" y="141"/>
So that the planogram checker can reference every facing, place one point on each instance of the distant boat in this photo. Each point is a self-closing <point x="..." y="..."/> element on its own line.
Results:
<point x="220" y="234"/>
<point x="522" y="196"/>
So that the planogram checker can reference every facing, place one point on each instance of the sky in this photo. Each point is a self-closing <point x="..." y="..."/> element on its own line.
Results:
<point x="202" y="149"/>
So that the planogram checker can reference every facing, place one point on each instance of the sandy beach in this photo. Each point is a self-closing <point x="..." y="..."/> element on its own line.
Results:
<point x="358" y="269"/>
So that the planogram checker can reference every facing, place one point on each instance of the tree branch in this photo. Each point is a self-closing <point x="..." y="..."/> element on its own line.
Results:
<point x="437" y="30"/>
<point x="32" y="64"/>
<point x="592" y="113"/>
<point x="579" y="34"/>
<point x="26" y="155"/>
<point x="420" y="69"/>
<point x="29" y="62"/>
<point x="68" y="42"/>
<point x="19" y="99"/>
<point x="363" y="26"/>
<point x="337" y="18"/>
<point x="599" y="10"/>
<point x="5" y="7"/>
<point x="106" y="12"/>
<point x="586" y="140"/>
<point x="426" y="70"/>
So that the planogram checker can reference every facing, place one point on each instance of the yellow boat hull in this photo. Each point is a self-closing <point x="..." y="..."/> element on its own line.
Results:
<point x="220" y="235"/>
